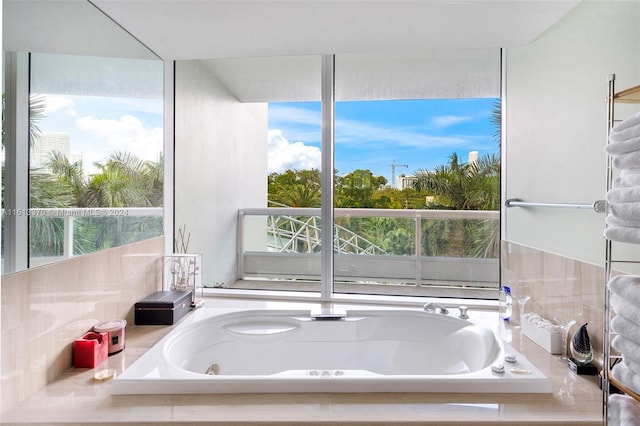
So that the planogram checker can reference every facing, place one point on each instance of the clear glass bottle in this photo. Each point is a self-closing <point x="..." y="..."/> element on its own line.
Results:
<point x="505" y="303"/>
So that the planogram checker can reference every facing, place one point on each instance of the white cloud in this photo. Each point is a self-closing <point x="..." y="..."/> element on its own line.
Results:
<point x="359" y="132"/>
<point x="283" y="154"/>
<point x="299" y="121"/>
<point x="445" y="121"/>
<point x="54" y="104"/>
<point x="126" y="134"/>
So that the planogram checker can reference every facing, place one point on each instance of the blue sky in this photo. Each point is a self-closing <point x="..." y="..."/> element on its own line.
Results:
<point x="370" y="135"/>
<point x="98" y="126"/>
<point x="375" y="134"/>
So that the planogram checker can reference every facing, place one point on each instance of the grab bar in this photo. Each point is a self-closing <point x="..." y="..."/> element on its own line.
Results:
<point x="598" y="206"/>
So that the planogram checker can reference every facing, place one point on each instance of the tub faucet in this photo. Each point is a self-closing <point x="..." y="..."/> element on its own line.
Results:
<point x="431" y="307"/>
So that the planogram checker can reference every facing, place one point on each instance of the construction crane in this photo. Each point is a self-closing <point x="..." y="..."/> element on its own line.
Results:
<point x="393" y="172"/>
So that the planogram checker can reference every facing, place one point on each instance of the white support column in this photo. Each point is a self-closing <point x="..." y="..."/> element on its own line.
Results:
<point x="418" y="249"/>
<point x="326" y="210"/>
<point x="16" y="127"/>
<point x="68" y="236"/>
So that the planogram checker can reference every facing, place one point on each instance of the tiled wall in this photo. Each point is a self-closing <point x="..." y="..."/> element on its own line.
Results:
<point x="560" y="288"/>
<point x="45" y="309"/>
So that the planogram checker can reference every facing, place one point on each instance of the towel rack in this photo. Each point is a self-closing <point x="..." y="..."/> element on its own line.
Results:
<point x="598" y="206"/>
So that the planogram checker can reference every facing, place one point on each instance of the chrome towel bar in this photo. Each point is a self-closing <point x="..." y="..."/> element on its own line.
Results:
<point x="598" y="206"/>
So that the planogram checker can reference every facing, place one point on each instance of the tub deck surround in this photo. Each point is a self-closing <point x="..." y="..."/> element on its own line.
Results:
<point x="76" y="398"/>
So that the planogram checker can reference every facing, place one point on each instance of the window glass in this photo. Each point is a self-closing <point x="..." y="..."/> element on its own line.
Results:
<point x="417" y="184"/>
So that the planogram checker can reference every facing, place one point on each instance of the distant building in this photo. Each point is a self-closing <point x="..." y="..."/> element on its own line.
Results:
<point x="405" y="181"/>
<point x="45" y="144"/>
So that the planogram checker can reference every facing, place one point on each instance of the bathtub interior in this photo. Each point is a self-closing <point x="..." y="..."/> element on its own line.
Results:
<point x="367" y="351"/>
<point x="400" y="343"/>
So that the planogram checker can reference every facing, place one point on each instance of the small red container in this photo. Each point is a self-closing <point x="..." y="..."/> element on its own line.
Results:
<point x="90" y="350"/>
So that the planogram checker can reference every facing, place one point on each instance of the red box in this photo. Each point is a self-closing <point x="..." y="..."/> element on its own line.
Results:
<point x="90" y="350"/>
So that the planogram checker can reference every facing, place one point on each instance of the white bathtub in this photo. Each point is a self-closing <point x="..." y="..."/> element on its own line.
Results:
<point x="271" y="351"/>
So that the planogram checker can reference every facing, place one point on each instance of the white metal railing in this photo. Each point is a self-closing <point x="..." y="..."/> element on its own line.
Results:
<point x="69" y="215"/>
<point x="257" y="259"/>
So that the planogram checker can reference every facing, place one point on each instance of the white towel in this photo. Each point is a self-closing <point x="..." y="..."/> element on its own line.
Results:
<point x="629" y="160"/>
<point x="632" y="364"/>
<point x="625" y="308"/>
<point x="626" y="180"/>
<point x="628" y="348"/>
<point x="629" y="211"/>
<point x="626" y="377"/>
<point x="624" y="134"/>
<point x="626" y="328"/>
<point x="623" y="410"/>
<point x="632" y="121"/>
<point x="623" y="234"/>
<point x="632" y="171"/>
<point x="616" y="221"/>
<point x="624" y="146"/>
<point x="624" y="195"/>
<point x="627" y="287"/>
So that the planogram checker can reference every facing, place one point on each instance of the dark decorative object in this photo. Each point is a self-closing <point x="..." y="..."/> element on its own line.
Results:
<point x="582" y="352"/>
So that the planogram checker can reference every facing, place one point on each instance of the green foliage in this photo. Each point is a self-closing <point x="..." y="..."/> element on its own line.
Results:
<point x="355" y="189"/>
<point x="464" y="186"/>
<point x="453" y="186"/>
<point x="299" y="188"/>
<point x="123" y="180"/>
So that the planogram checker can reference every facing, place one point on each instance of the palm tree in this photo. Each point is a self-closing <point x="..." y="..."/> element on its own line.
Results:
<point x="69" y="176"/>
<point x="122" y="182"/>
<point x="496" y="121"/>
<point x="459" y="186"/>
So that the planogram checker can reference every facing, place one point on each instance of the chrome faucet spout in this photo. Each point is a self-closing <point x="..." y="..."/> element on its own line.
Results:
<point x="431" y="307"/>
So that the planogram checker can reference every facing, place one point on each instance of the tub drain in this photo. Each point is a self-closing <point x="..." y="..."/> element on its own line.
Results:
<point x="213" y="369"/>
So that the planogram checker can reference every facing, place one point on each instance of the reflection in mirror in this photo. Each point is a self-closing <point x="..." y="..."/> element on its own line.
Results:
<point x="82" y="134"/>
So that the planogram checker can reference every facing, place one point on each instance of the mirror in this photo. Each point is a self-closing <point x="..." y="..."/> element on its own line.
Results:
<point x="82" y="140"/>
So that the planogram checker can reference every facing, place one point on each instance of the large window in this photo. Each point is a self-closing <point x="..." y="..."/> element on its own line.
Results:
<point x="409" y="145"/>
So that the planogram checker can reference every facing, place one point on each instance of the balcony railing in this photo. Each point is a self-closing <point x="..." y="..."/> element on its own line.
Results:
<point x="61" y="228"/>
<point x="414" y="247"/>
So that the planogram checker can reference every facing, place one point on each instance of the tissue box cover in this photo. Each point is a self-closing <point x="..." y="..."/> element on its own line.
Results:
<point x="550" y="340"/>
<point x="90" y="350"/>
<point x="162" y="308"/>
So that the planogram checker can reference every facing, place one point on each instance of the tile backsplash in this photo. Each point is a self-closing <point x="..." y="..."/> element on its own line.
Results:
<point x="560" y="288"/>
<point x="45" y="309"/>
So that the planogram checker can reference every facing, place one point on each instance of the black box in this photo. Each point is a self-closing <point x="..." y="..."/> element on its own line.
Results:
<point x="584" y="369"/>
<point x="162" y="308"/>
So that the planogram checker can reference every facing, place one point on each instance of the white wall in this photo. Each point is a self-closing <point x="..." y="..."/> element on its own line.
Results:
<point x="220" y="166"/>
<point x="556" y="124"/>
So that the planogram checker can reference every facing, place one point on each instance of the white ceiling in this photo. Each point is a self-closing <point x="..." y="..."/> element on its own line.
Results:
<point x="205" y="29"/>
<point x="72" y="27"/>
